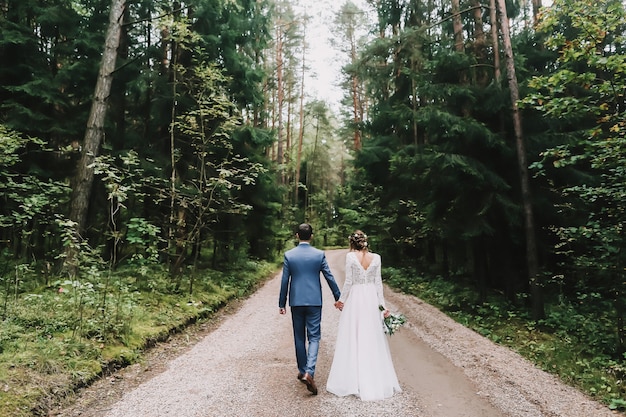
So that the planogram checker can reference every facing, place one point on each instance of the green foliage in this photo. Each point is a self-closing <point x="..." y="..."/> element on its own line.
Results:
<point x="588" y="74"/>
<point x="54" y="50"/>
<point x="185" y="173"/>
<point x="43" y="42"/>
<point x="436" y="173"/>
<point x="43" y="350"/>
<point x="142" y="239"/>
<point x="574" y="341"/>
<point x="29" y="200"/>
<point x="210" y="188"/>
<point x="112" y="297"/>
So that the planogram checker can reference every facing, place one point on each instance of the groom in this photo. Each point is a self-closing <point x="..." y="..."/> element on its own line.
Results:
<point x="301" y="278"/>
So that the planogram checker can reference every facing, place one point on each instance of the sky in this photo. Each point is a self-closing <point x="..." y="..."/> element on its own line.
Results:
<point x="324" y="62"/>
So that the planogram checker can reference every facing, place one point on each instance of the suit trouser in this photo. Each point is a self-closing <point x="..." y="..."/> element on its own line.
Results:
<point x="306" y="322"/>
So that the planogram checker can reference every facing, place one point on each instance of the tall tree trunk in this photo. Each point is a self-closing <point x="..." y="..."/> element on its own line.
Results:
<point x="83" y="180"/>
<point x="459" y="47"/>
<point x="497" y="75"/>
<point x="532" y="263"/>
<point x="536" y="6"/>
<point x="356" y="105"/>
<point x="301" y="130"/>
<point x="280" y="92"/>
<point x="457" y="25"/>
<point x="288" y="127"/>
<point x="480" y="44"/>
<point x="117" y="99"/>
<point x="176" y="216"/>
<point x="311" y="167"/>
<point x="346" y="23"/>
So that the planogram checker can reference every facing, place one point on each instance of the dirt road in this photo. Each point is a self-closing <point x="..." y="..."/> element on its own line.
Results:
<point x="244" y="365"/>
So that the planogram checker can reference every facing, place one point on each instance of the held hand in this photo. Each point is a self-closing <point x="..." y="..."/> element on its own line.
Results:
<point x="282" y="311"/>
<point x="386" y="313"/>
<point x="339" y="305"/>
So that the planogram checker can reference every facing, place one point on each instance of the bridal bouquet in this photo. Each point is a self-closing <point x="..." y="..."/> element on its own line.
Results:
<point x="392" y="322"/>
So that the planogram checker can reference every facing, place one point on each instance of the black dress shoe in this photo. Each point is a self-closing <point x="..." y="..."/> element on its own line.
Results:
<point x="310" y="383"/>
<point x="300" y="376"/>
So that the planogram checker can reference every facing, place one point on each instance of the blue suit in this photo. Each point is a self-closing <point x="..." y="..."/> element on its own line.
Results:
<point x="301" y="280"/>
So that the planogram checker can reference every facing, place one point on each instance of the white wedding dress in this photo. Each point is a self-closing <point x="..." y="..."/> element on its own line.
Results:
<point x="362" y="364"/>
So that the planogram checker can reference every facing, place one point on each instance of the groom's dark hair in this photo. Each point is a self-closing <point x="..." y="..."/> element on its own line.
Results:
<point x="305" y="231"/>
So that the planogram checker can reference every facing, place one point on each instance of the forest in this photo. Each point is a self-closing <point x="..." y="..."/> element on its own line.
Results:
<point x="156" y="155"/>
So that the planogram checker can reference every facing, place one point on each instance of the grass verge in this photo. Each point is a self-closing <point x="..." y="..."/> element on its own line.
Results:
<point x="58" y="338"/>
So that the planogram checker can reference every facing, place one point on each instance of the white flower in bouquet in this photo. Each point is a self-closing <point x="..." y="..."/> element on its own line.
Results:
<point x="392" y="322"/>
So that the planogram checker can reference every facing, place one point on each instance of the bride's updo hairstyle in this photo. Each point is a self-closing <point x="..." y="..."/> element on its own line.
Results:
<point x="358" y="240"/>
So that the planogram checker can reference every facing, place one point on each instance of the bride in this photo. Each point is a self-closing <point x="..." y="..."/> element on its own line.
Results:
<point x="362" y="364"/>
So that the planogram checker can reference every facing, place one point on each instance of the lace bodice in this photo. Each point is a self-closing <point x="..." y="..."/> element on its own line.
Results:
<point x="357" y="275"/>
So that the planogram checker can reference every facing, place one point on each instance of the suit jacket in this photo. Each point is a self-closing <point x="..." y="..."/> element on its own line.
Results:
<point x="301" y="277"/>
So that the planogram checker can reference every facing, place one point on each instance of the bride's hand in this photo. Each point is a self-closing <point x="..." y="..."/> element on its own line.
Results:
<point x="386" y="313"/>
<point x="339" y="305"/>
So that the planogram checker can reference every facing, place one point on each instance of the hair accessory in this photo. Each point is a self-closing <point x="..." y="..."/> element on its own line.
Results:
<point x="358" y="240"/>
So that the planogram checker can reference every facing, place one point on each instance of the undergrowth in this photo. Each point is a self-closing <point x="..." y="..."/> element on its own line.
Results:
<point x="575" y="341"/>
<point x="57" y="338"/>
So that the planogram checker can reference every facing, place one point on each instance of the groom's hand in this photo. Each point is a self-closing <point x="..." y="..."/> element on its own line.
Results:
<point x="282" y="311"/>
<point x="339" y="305"/>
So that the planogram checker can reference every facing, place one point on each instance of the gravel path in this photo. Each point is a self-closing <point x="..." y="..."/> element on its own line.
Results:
<point x="244" y="365"/>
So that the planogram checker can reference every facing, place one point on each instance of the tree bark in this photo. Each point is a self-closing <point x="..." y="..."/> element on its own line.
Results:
<point x="83" y="180"/>
<point x="457" y="25"/>
<point x="536" y="7"/>
<point x="280" y="92"/>
<point x="356" y="105"/>
<point x="300" y="131"/>
<point x="494" y="41"/>
<point x="532" y="262"/>
<point x="459" y="47"/>
<point x="480" y="44"/>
